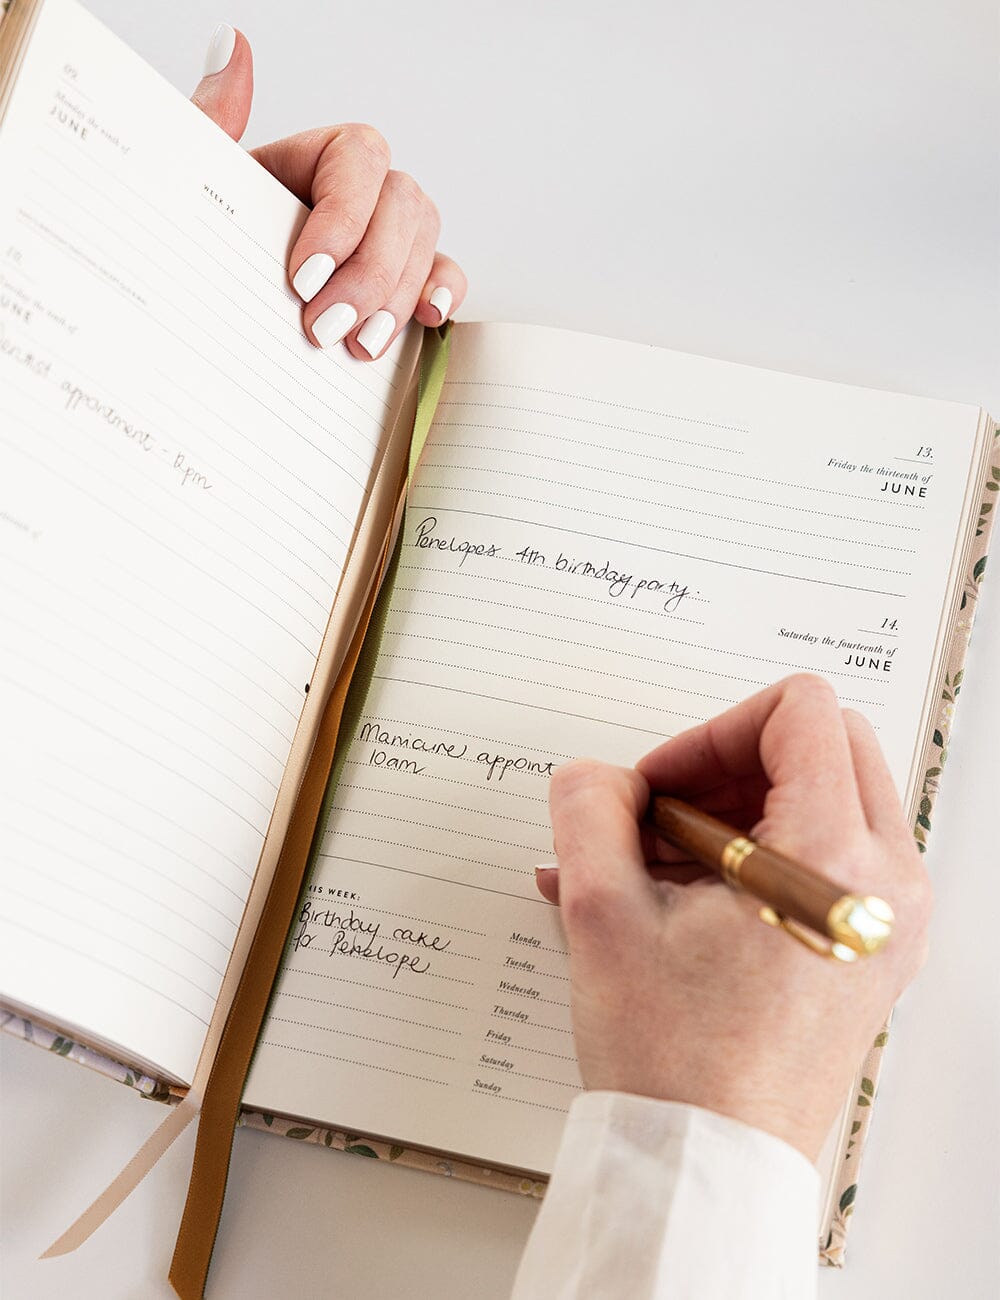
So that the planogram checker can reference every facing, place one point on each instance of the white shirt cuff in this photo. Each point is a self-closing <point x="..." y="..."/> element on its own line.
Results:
<point x="657" y="1200"/>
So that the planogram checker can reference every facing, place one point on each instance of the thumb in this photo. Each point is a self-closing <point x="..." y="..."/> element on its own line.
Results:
<point x="547" y="881"/>
<point x="226" y="88"/>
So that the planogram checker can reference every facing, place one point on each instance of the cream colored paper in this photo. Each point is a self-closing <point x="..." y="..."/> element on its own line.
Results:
<point x="182" y="477"/>
<point x="844" y="1168"/>
<point x="604" y="544"/>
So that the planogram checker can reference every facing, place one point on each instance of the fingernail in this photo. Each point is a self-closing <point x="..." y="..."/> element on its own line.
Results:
<point x="545" y="866"/>
<point x="374" y="333"/>
<point x="220" y="49"/>
<point x="441" y="300"/>
<point x="312" y="275"/>
<point x="334" y="323"/>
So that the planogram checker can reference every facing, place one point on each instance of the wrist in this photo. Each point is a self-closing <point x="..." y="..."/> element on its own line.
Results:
<point x="797" y="1107"/>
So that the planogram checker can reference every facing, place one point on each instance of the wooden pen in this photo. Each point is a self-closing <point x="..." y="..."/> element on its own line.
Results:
<point x="798" y="899"/>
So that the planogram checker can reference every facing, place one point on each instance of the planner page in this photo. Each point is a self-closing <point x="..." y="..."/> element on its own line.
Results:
<point x="181" y="477"/>
<point x="605" y="544"/>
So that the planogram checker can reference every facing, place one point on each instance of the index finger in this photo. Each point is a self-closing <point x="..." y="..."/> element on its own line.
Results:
<point x="602" y="868"/>
<point x="792" y="733"/>
<point x="339" y="172"/>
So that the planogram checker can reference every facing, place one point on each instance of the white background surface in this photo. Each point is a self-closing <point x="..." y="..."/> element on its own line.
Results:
<point x="811" y="188"/>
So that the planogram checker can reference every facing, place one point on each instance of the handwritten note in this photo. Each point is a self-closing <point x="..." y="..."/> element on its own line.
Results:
<point x="604" y="545"/>
<point x="617" y="582"/>
<point x="181" y="477"/>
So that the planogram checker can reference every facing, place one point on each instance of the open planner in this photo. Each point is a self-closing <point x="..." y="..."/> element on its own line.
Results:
<point x="601" y="545"/>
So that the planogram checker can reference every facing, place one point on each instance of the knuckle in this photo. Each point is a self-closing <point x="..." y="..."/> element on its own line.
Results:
<point x="590" y="907"/>
<point x="857" y="726"/>
<point x="921" y="903"/>
<point x="915" y="957"/>
<point x="317" y="138"/>
<point x="351" y="227"/>
<point x="914" y="906"/>
<point x="432" y="216"/>
<point x="810" y="685"/>
<point x="446" y="271"/>
<point x="370" y="144"/>
<point x="406" y="191"/>
<point x="573" y="778"/>
<point x="461" y="283"/>
<point x="378" y="281"/>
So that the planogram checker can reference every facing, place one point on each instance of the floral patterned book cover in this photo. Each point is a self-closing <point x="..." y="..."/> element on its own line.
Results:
<point x="934" y="758"/>
<point x="832" y="1243"/>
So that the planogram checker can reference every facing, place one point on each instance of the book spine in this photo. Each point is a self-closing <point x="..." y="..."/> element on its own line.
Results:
<point x="17" y="22"/>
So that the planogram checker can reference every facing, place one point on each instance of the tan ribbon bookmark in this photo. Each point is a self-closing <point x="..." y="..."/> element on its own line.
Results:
<point x="220" y="1108"/>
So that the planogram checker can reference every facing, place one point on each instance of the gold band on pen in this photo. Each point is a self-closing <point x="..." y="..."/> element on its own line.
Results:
<point x="734" y="854"/>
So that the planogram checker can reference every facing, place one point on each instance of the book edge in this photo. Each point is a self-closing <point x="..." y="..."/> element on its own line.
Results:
<point x="933" y="755"/>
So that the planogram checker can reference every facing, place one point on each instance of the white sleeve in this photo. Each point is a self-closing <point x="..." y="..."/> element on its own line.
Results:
<point x="656" y="1200"/>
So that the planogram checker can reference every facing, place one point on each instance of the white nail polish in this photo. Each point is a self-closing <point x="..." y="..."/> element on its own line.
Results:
<point x="312" y="275"/>
<point x="220" y="49"/>
<point x="374" y="333"/>
<point x="441" y="299"/>
<point x="334" y="323"/>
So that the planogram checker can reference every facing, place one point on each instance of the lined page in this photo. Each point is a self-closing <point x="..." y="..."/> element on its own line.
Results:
<point x="605" y="545"/>
<point x="181" y="478"/>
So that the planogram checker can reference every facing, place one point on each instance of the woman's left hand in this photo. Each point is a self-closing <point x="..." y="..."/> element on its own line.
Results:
<point x="365" y="260"/>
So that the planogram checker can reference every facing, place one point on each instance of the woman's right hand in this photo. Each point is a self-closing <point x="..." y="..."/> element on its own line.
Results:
<point x="679" y="991"/>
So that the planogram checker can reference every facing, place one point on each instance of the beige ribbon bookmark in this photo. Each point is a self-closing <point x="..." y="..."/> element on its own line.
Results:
<point x="221" y="1103"/>
<point x="129" y="1178"/>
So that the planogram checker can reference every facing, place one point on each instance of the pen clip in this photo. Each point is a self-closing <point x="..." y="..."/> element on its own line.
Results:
<point x="857" y="927"/>
<point x="814" y="942"/>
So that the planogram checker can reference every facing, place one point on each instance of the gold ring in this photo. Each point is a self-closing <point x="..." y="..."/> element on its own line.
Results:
<point x="734" y="854"/>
